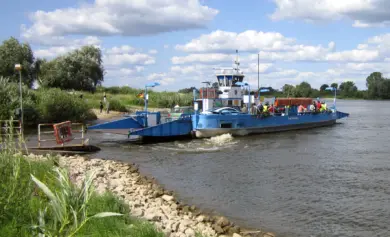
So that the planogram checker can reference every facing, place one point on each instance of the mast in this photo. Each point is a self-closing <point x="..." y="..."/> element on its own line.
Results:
<point x="237" y="62"/>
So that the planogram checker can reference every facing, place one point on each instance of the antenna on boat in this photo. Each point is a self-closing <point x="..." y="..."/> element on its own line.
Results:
<point x="237" y="62"/>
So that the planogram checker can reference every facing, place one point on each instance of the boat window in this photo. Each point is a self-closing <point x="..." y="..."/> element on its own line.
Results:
<point x="221" y="80"/>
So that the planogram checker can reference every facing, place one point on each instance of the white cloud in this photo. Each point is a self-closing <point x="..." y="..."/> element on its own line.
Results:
<point x="202" y="58"/>
<point x="166" y="46"/>
<point x="163" y="78"/>
<point x="153" y="51"/>
<point x="126" y="55"/>
<point x="52" y="52"/>
<point x="364" y="13"/>
<point x="193" y="69"/>
<point x="223" y="41"/>
<point x="121" y="50"/>
<point x="120" y="17"/>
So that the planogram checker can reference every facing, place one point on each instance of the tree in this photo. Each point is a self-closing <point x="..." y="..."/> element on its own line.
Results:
<point x="288" y="90"/>
<point x="334" y="85"/>
<point x="12" y="52"/>
<point x="324" y="86"/>
<point x="81" y="69"/>
<point x="374" y="82"/>
<point x="187" y="90"/>
<point x="348" y="89"/>
<point x="302" y="90"/>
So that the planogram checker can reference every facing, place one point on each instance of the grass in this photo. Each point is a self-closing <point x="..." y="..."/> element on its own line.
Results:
<point x="121" y="100"/>
<point x="37" y="198"/>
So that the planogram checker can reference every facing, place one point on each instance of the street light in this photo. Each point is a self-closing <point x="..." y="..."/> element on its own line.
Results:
<point x="146" y="97"/>
<point x="18" y="67"/>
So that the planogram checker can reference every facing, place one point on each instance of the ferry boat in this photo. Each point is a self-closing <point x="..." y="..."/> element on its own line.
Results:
<point x="220" y="110"/>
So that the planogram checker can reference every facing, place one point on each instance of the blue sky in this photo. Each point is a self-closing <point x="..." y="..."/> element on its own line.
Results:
<point x="178" y="42"/>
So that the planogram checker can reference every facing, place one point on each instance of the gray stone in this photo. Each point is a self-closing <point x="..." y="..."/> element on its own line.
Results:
<point x="167" y="198"/>
<point x="236" y="235"/>
<point x="218" y="229"/>
<point x="138" y="212"/>
<point x="200" y="218"/>
<point x="222" y="221"/>
<point x="175" y="226"/>
<point x="189" y="232"/>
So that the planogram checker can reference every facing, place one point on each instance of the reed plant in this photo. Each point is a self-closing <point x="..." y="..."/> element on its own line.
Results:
<point x="38" y="198"/>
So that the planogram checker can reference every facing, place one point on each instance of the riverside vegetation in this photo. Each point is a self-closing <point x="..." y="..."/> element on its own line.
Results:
<point x="77" y="196"/>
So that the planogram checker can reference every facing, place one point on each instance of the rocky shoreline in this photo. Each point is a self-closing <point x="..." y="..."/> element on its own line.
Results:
<point x="148" y="200"/>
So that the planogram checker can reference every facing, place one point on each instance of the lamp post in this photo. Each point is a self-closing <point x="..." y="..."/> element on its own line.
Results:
<point x="146" y="97"/>
<point x="18" y="67"/>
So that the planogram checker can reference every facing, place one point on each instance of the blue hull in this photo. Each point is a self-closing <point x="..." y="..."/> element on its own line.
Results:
<point x="245" y="124"/>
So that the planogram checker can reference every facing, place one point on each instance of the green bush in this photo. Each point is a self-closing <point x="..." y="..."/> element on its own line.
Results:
<point x="116" y="105"/>
<point x="10" y="101"/>
<point x="55" y="105"/>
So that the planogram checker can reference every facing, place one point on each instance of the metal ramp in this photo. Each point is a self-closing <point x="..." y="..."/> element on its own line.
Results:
<point x="175" y="128"/>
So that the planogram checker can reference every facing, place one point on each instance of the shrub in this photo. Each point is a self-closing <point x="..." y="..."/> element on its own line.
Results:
<point x="10" y="101"/>
<point x="55" y="105"/>
<point x="116" y="105"/>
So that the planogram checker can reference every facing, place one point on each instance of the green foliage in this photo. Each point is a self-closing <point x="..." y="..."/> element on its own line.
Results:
<point x="187" y="90"/>
<point x="303" y="90"/>
<point x="323" y="87"/>
<point x="55" y="105"/>
<point x="19" y="202"/>
<point x="12" y="52"/>
<point x="10" y="101"/>
<point x="348" y="89"/>
<point x="116" y="105"/>
<point x="37" y="200"/>
<point x="378" y="86"/>
<point x="81" y="69"/>
<point x="334" y="85"/>
<point x="67" y="210"/>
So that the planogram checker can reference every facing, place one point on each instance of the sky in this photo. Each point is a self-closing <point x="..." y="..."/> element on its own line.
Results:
<point x="179" y="43"/>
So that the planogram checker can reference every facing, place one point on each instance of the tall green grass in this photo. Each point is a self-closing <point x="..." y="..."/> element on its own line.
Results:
<point x="127" y="97"/>
<point x="37" y="198"/>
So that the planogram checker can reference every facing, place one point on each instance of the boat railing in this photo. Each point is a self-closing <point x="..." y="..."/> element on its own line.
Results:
<point x="77" y="134"/>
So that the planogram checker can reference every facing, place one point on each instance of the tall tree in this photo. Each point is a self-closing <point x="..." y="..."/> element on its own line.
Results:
<point x="348" y="89"/>
<point x="323" y="87"/>
<point x="288" y="90"/>
<point x="12" y="52"/>
<point x="81" y="69"/>
<point x="334" y="85"/>
<point x="303" y="90"/>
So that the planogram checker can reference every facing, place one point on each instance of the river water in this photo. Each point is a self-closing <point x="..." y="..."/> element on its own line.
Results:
<point x="331" y="181"/>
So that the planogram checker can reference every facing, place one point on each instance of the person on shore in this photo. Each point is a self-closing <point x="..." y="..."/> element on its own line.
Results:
<point x="101" y="106"/>
<point x="104" y="97"/>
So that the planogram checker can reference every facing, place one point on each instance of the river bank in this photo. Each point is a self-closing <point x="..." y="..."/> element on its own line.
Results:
<point x="148" y="200"/>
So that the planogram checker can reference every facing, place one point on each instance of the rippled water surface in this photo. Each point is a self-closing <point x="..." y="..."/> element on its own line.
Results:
<point x="331" y="181"/>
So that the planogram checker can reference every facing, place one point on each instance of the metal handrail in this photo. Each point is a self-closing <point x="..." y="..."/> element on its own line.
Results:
<point x="7" y="127"/>
<point x="82" y="138"/>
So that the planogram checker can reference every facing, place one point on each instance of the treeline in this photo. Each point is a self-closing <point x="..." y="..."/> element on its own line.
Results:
<point x="81" y="69"/>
